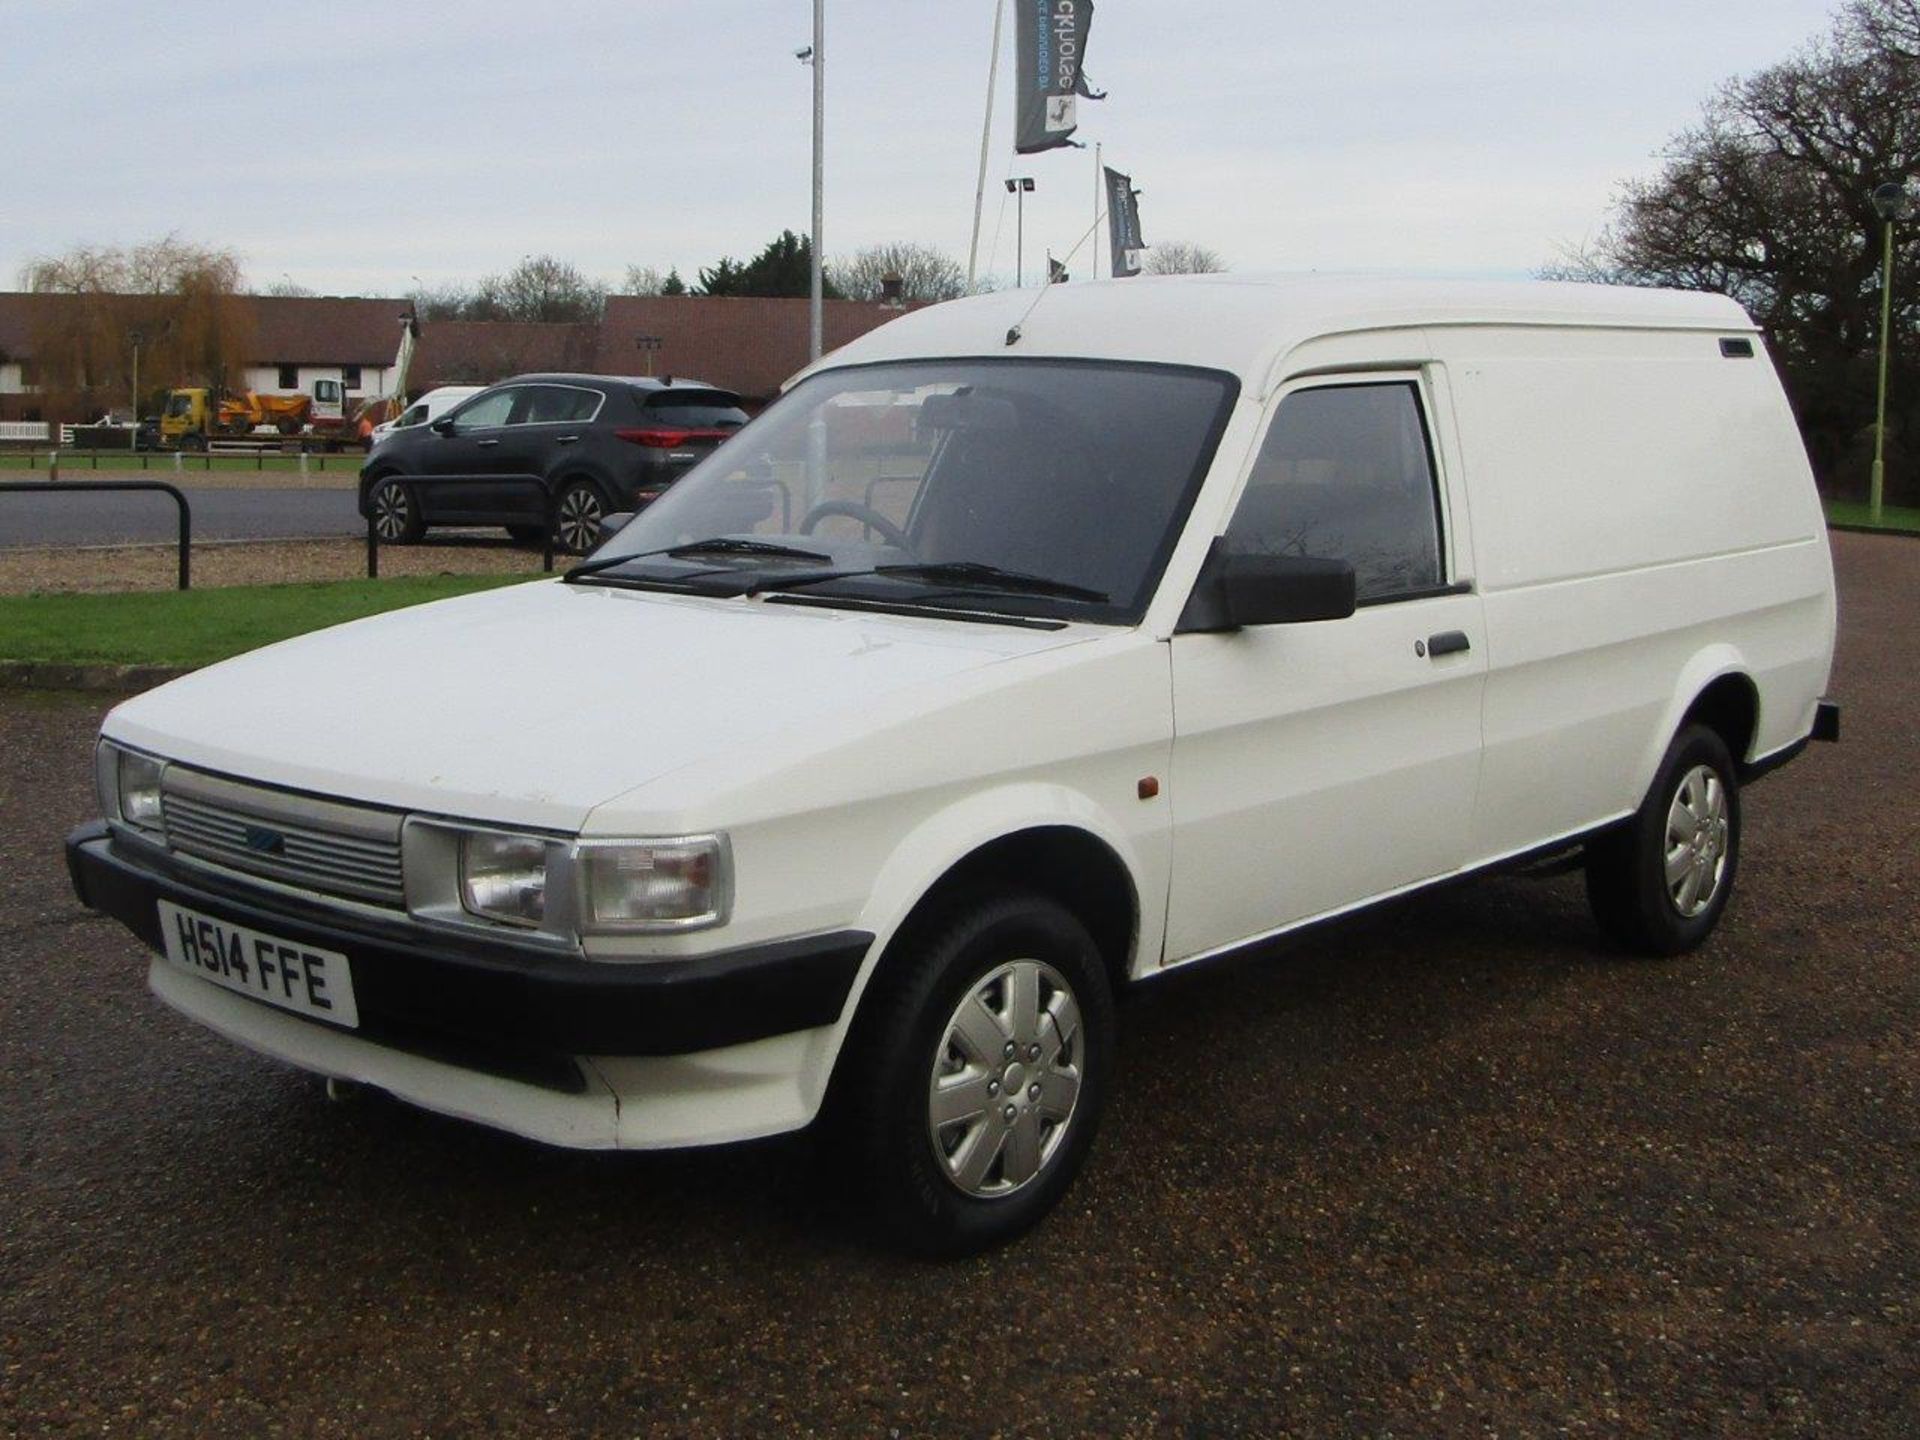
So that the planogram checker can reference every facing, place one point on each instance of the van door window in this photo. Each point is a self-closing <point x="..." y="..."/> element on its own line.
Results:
<point x="1346" y="473"/>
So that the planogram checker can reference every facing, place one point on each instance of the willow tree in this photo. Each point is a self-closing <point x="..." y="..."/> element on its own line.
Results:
<point x="179" y="302"/>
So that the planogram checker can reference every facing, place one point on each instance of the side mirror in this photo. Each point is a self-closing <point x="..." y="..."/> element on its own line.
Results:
<point x="442" y="426"/>
<point x="1236" y="590"/>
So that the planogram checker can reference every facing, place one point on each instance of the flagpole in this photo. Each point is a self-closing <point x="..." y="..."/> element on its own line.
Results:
<point x="1099" y="183"/>
<point x="986" y="132"/>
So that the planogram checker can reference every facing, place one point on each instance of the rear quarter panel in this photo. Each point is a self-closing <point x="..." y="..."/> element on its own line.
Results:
<point x="1644" y="521"/>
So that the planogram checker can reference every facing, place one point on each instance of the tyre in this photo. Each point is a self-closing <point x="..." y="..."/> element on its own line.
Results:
<point x="969" y="1091"/>
<point x="576" y="522"/>
<point x="1659" y="883"/>
<point x="396" y="514"/>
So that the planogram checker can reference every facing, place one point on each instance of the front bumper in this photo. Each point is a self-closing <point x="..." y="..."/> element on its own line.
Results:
<point x="491" y="1005"/>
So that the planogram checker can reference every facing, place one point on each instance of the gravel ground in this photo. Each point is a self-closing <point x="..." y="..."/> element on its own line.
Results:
<point x="100" y="568"/>
<point x="1453" y="1170"/>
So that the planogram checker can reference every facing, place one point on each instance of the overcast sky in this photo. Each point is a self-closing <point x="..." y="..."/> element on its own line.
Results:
<point x="356" y="146"/>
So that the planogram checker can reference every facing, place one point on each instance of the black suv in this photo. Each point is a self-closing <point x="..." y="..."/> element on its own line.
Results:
<point x="598" y="444"/>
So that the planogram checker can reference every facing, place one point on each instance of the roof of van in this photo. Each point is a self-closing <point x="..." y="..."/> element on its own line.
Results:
<point x="1246" y="323"/>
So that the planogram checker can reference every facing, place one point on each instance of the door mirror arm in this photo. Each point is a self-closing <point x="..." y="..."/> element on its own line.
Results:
<point x="1236" y="590"/>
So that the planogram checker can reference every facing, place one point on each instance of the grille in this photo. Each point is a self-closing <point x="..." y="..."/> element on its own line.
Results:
<point x="346" y="851"/>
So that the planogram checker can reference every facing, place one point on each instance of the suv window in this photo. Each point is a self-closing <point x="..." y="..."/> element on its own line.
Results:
<point x="1346" y="473"/>
<point x="486" y="411"/>
<point x="694" y="409"/>
<point x="550" y="404"/>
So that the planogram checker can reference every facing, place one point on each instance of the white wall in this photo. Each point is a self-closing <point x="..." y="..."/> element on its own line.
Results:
<point x="266" y="379"/>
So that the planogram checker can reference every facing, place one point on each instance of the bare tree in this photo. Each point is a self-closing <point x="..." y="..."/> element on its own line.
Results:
<point x="541" y="287"/>
<point x="286" y="287"/>
<point x="1766" y="199"/>
<point x="925" y="273"/>
<point x="647" y="280"/>
<point x="178" y="301"/>
<point x="1183" y="257"/>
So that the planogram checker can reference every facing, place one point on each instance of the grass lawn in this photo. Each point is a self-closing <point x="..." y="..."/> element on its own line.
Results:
<point x="197" y="627"/>
<point x="1892" y="517"/>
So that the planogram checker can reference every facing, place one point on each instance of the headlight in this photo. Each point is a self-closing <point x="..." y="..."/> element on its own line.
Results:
<point x="129" y="784"/>
<point x="642" y="885"/>
<point x="504" y="877"/>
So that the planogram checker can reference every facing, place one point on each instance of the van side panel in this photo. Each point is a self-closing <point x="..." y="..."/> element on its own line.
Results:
<point x="1644" y="520"/>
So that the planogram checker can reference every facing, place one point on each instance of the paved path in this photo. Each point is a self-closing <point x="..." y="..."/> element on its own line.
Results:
<point x="224" y="513"/>
<point x="1457" y="1170"/>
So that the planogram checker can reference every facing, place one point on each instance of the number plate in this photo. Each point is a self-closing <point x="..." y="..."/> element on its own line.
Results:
<point x="301" y="978"/>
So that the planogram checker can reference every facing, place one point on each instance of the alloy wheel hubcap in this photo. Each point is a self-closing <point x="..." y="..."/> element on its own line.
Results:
<point x="1697" y="841"/>
<point x="390" y="512"/>
<point x="1006" y="1079"/>
<point x="579" y="519"/>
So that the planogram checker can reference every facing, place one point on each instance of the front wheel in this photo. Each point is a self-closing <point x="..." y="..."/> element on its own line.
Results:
<point x="974" y="1082"/>
<point x="1659" y="883"/>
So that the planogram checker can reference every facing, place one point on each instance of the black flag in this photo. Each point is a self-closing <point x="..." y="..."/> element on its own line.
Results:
<point x="1123" y="223"/>
<point x="1052" y="43"/>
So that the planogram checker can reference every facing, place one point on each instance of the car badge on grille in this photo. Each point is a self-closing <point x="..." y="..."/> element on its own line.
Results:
<point x="263" y="841"/>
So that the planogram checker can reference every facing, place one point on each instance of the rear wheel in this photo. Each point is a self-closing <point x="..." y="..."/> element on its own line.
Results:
<point x="1659" y="883"/>
<point x="972" y="1086"/>
<point x="577" y="518"/>
<point x="396" y="514"/>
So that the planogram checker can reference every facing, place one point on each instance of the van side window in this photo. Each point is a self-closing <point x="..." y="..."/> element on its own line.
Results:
<point x="1346" y="473"/>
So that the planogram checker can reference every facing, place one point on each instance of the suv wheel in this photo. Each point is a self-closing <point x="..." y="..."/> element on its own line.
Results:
<point x="973" y="1084"/>
<point x="1659" y="883"/>
<point x="396" y="517"/>
<point x="576" y="523"/>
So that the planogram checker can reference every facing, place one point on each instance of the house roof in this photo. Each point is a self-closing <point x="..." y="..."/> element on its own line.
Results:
<point x="478" y="352"/>
<point x="748" y="345"/>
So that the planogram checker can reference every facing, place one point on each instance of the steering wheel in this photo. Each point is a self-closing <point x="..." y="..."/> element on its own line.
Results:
<point x="865" y="514"/>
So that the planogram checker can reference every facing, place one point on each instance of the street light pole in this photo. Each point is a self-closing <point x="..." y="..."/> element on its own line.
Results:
<point x="816" y="281"/>
<point x="1020" y="186"/>
<point x="136" y="337"/>
<point x="1890" y="202"/>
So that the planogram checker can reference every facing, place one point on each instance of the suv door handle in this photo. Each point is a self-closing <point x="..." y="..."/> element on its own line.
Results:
<point x="1447" y="642"/>
<point x="566" y="439"/>
<point x="486" y="442"/>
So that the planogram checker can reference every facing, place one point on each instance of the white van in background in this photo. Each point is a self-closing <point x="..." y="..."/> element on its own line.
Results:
<point x="428" y="408"/>
<point x="1029" y="647"/>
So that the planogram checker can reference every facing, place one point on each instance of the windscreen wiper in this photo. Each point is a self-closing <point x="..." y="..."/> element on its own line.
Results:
<point x="967" y="575"/>
<point x="717" y="545"/>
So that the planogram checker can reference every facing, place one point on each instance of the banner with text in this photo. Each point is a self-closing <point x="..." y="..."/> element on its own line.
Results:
<point x="1123" y="223"/>
<point x="1051" y="44"/>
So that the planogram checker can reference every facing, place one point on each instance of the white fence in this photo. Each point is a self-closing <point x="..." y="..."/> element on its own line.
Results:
<point x="23" y="430"/>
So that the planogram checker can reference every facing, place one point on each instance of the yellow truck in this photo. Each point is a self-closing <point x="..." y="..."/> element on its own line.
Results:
<point x="196" y="414"/>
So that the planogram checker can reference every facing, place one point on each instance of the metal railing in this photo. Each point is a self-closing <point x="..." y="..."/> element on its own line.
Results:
<point x="549" y="508"/>
<point x="82" y="487"/>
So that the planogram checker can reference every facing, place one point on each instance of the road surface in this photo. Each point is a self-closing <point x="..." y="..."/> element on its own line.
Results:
<point x="223" y="513"/>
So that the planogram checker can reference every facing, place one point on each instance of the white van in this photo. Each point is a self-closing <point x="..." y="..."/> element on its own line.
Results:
<point x="428" y="408"/>
<point x="1030" y="647"/>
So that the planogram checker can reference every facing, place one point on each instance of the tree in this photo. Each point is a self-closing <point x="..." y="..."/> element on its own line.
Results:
<point x="925" y="272"/>
<point x="287" y="286"/>
<point x="181" y="300"/>
<point x="647" y="280"/>
<point x="1183" y="257"/>
<point x="783" y="268"/>
<point x="542" y="288"/>
<point x="1766" y="199"/>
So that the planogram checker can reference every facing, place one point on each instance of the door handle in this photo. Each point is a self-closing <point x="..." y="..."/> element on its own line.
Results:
<point x="1447" y="642"/>
<point x="566" y="440"/>
<point x="486" y="442"/>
